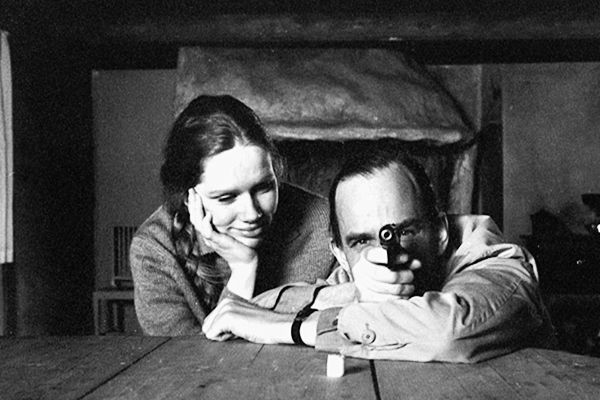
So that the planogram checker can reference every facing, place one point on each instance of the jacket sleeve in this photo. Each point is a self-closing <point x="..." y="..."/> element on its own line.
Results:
<point x="165" y="303"/>
<point x="293" y="297"/>
<point x="488" y="309"/>
<point x="288" y="298"/>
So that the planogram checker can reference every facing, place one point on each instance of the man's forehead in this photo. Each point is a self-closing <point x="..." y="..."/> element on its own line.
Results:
<point x="377" y="185"/>
<point x="384" y="196"/>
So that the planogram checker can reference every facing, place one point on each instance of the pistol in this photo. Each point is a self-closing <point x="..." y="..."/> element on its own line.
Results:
<point x="389" y="239"/>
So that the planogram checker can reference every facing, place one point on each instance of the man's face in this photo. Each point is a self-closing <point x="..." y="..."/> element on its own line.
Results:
<point x="365" y="203"/>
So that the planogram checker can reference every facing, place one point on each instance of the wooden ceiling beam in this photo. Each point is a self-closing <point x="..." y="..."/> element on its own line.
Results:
<point x="317" y="29"/>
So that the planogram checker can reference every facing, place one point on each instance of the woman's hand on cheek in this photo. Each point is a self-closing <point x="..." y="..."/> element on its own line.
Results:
<point x="242" y="259"/>
<point x="195" y="208"/>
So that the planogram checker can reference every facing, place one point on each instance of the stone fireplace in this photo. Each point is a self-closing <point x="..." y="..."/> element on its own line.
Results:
<point x="321" y="104"/>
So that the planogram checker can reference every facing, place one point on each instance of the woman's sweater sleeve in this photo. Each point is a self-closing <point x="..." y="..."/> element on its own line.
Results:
<point x="165" y="302"/>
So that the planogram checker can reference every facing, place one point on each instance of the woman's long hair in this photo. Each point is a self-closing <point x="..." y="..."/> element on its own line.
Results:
<point x="208" y="126"/>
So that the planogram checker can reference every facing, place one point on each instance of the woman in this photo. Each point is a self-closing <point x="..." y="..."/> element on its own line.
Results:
<point x="227" y="225"/>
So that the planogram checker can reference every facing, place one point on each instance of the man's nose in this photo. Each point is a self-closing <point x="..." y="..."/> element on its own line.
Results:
<point x="250" y="208"/>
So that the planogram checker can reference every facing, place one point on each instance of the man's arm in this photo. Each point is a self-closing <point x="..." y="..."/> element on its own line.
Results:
<point x="373" y="281"/>
<point x="269" y="316"/>
<point x="486" y="310"/>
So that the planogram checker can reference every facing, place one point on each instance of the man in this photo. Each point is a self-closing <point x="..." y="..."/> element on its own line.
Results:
<point x="476" y="296"/>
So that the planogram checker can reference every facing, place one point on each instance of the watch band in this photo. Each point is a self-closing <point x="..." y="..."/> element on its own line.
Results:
<point x="301" y="317"/>
<point x="298" y="320"/>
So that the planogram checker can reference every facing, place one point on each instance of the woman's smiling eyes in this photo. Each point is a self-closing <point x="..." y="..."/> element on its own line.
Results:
<point x="262" y="187"/>
<point x="226" y="198"/>
<point x="265" y="186"/>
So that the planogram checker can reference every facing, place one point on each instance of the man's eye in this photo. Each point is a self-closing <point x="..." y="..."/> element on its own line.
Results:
<point x="359" y="243"/>
<point x="408" y="232"/>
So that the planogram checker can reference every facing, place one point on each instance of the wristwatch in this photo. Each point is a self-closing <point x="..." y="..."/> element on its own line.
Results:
<point x="298" y="320"/>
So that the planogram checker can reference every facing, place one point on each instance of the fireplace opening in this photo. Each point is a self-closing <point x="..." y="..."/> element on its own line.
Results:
<point x="313" y="164"/>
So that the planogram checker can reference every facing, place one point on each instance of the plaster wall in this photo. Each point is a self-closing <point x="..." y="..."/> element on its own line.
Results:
<point x="551" y="142"/>
<point x="133" y="110"/>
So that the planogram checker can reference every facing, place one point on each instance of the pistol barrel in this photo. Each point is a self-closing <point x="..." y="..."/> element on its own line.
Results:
<point x="389" y="239"/>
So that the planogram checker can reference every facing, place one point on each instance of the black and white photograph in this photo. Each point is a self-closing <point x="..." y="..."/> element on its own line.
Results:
<point x="300" y="199"/>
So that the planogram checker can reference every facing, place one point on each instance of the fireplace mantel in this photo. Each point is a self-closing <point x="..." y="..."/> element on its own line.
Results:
<point x="346" y="95"/>
<point x="331" y="94"/>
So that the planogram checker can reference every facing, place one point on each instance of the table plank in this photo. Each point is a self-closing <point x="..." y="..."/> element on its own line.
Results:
<point x="136" y="367"/>
<point x="527" y="374"/>
<point x="65" y="367"/>
<point x="194" y="367"/>
<point x="546" y="374"/>
<point x="287" y="373"/>
<point x="184" y="366"/>
<point x="579" y="375"/>
<point x="412" y="380"/>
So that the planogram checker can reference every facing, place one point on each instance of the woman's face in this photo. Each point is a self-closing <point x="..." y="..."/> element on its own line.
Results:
<point x="239" y="188"/>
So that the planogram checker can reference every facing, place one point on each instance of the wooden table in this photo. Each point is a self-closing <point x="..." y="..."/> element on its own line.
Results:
<point x="137" y="367"/>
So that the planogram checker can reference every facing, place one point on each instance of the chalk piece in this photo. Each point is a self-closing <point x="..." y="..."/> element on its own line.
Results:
<point x="335" y="365"/>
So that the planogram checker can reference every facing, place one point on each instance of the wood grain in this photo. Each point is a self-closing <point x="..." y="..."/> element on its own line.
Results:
<point x="66" y="368"/>
<point x="527" y="374"/>
<point x="182" y="368"/>
<point x="408" y="380"/>
<point x="135" y="367"/>
<point x="276" y="28"/>
<point x="197" y="368"/>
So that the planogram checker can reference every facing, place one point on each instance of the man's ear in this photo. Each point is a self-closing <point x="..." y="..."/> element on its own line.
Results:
<point x="339" y="256"/>
<point x="443" y="234"/>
